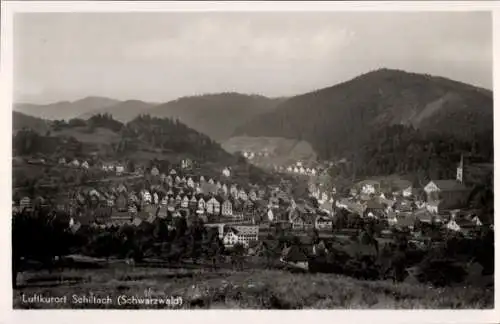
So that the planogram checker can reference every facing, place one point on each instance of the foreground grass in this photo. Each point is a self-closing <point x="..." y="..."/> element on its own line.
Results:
<point x="269" y="289"/>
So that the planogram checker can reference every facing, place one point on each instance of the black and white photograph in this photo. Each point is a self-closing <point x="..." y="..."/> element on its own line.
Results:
<point x="265" y="160"/>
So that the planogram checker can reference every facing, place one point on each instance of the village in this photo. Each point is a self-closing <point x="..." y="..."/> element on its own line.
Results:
<point x="245" y="214"/>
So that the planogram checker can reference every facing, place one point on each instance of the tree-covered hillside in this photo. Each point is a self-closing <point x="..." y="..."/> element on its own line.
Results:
<point x="355" y="118"/>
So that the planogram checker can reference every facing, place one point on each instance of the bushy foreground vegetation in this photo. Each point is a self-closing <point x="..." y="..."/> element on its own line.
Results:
<point x="250" y="289"/>
<point x="454" y="260"/>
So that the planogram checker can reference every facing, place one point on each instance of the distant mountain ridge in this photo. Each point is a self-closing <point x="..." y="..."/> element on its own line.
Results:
<point x="65" y="109"/>
<point x="217" y="115"/>
<point x="339" y="119"/>
<point x="123" y="111"/>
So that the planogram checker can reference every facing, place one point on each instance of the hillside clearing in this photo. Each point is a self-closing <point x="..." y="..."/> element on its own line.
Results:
<point x="98" y="136"/>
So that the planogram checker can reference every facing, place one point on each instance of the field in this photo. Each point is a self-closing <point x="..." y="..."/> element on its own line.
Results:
<point x="246" y="289"/>
<point x="98" y="136"/>
<point x="284" y="151"/>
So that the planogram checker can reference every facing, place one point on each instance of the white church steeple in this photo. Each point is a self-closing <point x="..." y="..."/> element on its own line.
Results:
<point x="460" y="170"/>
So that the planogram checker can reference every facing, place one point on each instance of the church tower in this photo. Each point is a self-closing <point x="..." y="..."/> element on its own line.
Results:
<point x="460" y="170"/>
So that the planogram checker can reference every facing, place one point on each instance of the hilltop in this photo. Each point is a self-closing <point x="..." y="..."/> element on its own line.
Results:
<point x="123" y="111"/>
<point x="351" y="119"/>
<point x="22" y="121"/>
<point x="65" y="109"/>
<point x="216" y="115"/>
<point x="144" y="136"/>
<point x="142" y="140"/>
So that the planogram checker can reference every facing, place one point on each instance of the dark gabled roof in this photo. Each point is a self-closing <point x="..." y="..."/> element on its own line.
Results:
<point x="293" y="254"/>
<point x="400" y="184"/>
<point x="465" y="223"/>
<point x="143" y="215"/>
<point x="406" y="221"/>
<point x="228" y="229"/>
<point x="449" y="185"/>
<point x="372" y="204"/>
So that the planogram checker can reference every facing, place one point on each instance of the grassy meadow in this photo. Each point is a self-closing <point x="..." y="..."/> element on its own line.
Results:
<point x="246" y="289"/>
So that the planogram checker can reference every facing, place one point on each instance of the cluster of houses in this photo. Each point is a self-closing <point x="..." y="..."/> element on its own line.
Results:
<point x="395" y="200"/>
<point x="251" y="155"/>
<point x="298" y="168"/>
<point x="238" y="213"/>
<point x="173" y="195"/>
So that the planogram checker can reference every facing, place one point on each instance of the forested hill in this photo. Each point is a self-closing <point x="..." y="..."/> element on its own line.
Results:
<point x="144" y="140"/>
<point x="216" y="115"/>
<point x="169" y="135"/>
<point x="142" y="134"/>
<point x="123" y="111"/>
<point x="347" y="119"/>
<point x="65" y="109"/>
<point x="21" y="121"/>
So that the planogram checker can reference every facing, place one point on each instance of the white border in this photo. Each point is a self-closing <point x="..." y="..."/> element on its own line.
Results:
<point x="392" y="316"/>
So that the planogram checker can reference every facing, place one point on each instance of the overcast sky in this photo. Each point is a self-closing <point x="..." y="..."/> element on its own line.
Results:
<point x="162" y="56"/>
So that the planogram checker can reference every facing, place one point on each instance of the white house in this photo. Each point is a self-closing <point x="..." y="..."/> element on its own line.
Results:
<point x="146" y="196"/>
<point x="62" y="161"/>
<point x="190" y="182"/>
<point x="230" y="237"/>
<point x="392" y="218"/>
<point x="477" y="221"/>
<point x="323" y="222"/>
<point x="369" y="187"/>
<point x="185" y="202"/>
<point x="213" y="206"/>
<point x="402" y="188"/>
<point x="227" y="208"/>
<point x="342" y="203"/>
<point x="132" y="209"/>
<point x="202" y="204"/>
<point x="25" y="203"/>
<point x="226" y="172"/>
<point x="432" y="207"/>
<point x="155" y="198"/>
<point x="186" y="164"/>
<point x="85" y="165"/>
<point x="296" y="170"/>
<point x="247" y="233"/>
<point x="119" y="169"/>
<point x="242" y="195"/>
<point x="233" y="191"/>
<point x="270" y="215"/>
<point x="452" y="225"/>
<point x="75" y="163"/>
<point x="252" y="195"/>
